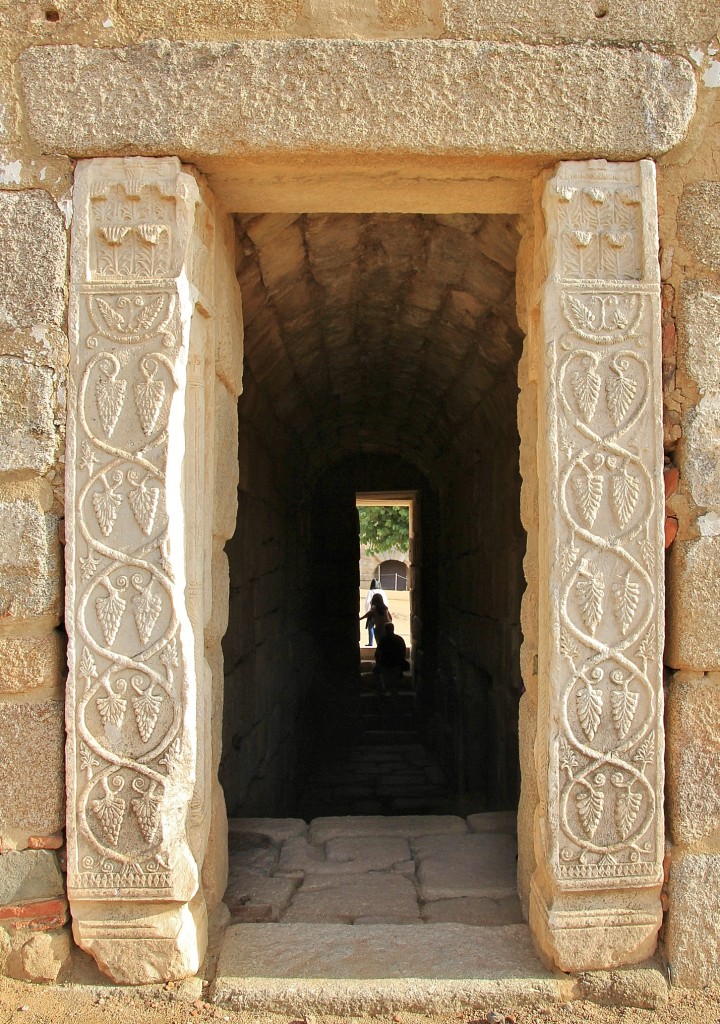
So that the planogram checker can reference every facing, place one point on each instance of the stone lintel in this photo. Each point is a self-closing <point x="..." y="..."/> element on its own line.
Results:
<point x="418" y="97"/>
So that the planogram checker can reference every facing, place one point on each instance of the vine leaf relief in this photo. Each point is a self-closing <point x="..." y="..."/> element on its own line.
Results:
<point x="626" y="595"/>
<point x="110" y="396"/>
<point x="88" y="761"/>
<point x="589" y="704"/>
<point x="623" y="704"/>
<point x="590" y="803"/>
<point x="568" y="647"/>
<point x="645" y="753"/>
<point x="586" y="385"/>
<point x="87" y="669"/>
<point x="588" y="493"/>
<point x="569" y="557"/>
<point x="624" y="490"/>
<point x="620" y="390"/>
<point x="590" y="587"/>
<point x="627" y="806"/>
<point x="110" y="810"/>
<point x="568" y="758"/>
<point x="646" y="647"/>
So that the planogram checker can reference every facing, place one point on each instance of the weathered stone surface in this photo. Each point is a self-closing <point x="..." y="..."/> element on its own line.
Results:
<point x="275" y="829"/>
<point x="215" y="862"/>
<point x="494" y="821"/>
<point x="226" y="463"/>
<point x="33" y="260"/>
<point x="693" y="757"/>
<point x="477" y="866"/>
<point x="339" y="969"/>
<point x="224" y="99"/>
<point x="475" y="910"/>
<point x="29" y="662"/>
<point x="338" y="856"/>
<point x="32" y="747"/>
<point x="692" y="936"/>
<point x="698" y="318"/>
<point x="29" y="875"/>
<point x="45" y="955"/>
<point x="26" y="411"/>
<point x="30" y="568"/>
<point x="693" y="597"/>
<point x="643" y="986"/>
<point x="699" y="222"/>
<point x="700" y="451"/>
<point x="403" y="826"/>
<point x="669" y="21"/>
<point x="249" y="889"/>
<point x="343" y="898"/>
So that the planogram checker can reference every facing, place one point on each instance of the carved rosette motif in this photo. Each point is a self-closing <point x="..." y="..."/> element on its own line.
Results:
<point x="130" y="755"/>
<point x="604" y="693"/>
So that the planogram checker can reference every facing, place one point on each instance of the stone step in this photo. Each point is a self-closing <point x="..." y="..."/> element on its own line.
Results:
<point x="375" y="969"/>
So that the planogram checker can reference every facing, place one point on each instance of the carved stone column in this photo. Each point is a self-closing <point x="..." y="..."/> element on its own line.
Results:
<point x="595" y="898"/>
<point x="136" y="573"/>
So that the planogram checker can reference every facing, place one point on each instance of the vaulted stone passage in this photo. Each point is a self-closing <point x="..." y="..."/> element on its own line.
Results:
<point x="381" y="353"/>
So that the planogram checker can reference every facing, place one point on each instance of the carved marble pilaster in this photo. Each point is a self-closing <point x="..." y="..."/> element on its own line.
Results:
<point x="136" y="571"/>
<point x="599" y="834"/>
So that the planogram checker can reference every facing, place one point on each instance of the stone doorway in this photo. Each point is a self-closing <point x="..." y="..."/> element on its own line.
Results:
<point x="150" y="273"/>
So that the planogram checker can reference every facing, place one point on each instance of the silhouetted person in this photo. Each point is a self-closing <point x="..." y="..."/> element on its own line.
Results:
<point x="375" y="588"/>
<point x="390" y="660"/>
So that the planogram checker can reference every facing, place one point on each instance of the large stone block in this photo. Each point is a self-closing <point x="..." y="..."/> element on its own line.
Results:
<point x="33" y="260"/>
<point x="692" y="929"/>
<point x="699" y="454"/>
<point x="693" y="757"/>
<point x="699" y="335"/>
<point x="32" y="747"/>
<point x="30" y="565"/>
<point x="29" y="875"/>
<point x="28" y="437"/>
<point x="29" y="662"/>
<point x="699" y="222"/>
<point x="693" y="598"/>
<point x="408" y="95"/>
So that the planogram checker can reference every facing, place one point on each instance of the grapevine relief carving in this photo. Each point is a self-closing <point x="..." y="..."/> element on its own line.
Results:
<point x="130" y="691"/>
<point x="606" y="637"/>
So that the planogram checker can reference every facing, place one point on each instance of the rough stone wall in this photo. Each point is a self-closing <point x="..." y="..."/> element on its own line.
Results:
<point x="688" y="198"/>
<point x="481" y="547"/>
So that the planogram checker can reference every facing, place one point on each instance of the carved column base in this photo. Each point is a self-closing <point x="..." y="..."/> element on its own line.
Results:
<point x="594" y="931"/>
<point x="140" y="943"/>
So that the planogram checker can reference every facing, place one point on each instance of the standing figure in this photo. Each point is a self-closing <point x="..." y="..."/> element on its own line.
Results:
<point x="378" y="615"/>
<point x="375" y="588"/>
<point x="390" y="662"/>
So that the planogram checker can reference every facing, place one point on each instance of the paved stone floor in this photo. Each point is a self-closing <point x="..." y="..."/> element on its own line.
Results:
<point x="368" y="870"/>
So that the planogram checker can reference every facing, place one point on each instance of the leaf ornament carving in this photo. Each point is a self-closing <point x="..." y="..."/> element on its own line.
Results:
<point x="588" y="489"/>
<point x="619" y="390"/>
<point x="110" y="397"/>
<point x="110" y="811"/>
<point x="171" y="757"/>
<point x="114" y="321"/>
<point x="647" y="550"/>
<point x="586" y="388"/>
<point x="147" y="314"/>
<point x="87" y="669"/>
<point x="627" y="807"/>
<point x="569" y="557"/>
<point x="149" y="396"/>
<point x="112" y="708"/>
<point x="106" y="504"/>
<point x="646" y="647"/>
<point x="583" y="314"/>
<point x="568" y="758"/>
<point x="110" y="610"/>
<point x="624" y="493"/>
<point x="590" y="803"/>
<point x="623" y="704"/>
<point x="589" y="705"/>
<point x="146" y="707"/>
<point x="590" y="587"/>
<point x="646" y="752"/>
<point x="143" y="499"/>
<point x="88" y="566"/>
<point x="146" y="608"/>
<point x="568" y="647"/>
<point x="146" y="809"/>
<point x="88" y="761"/>
<point x="626" y="596"/>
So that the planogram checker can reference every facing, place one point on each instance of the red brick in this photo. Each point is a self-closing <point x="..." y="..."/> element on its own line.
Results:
<point x="46" y="842"/>
<point x="39" y="914"/>
<point x="671" y="529"/>
<point x="671" y="478"/>
<point x="668" y="339"/>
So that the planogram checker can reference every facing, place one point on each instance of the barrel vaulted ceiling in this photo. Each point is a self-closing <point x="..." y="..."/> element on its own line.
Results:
<point x="382" y="332"/>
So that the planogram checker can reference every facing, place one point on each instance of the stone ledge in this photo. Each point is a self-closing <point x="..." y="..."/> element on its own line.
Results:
<point x="203" y="100"/>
